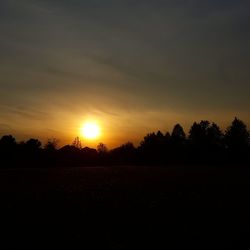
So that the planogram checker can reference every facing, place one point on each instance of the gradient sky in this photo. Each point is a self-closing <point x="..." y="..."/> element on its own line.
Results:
<point x="134" y="66"/>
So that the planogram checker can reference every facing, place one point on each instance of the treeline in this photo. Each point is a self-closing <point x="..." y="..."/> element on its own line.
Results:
<point x="204" y="144"/>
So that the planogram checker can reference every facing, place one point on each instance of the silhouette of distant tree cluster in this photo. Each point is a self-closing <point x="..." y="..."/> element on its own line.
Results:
<point x="205" y="143"/>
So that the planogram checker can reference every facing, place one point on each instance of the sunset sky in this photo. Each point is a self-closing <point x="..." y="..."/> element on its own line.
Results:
<point x="131" y="66"/>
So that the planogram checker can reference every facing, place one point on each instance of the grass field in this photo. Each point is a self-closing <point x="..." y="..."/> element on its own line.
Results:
<point x="125" y="208"/>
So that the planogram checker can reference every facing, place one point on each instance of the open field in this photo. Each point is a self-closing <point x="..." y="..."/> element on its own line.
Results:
<point x="125" y="208"/>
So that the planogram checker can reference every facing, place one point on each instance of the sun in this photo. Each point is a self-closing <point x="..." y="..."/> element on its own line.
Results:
<point x="90" y="130"/>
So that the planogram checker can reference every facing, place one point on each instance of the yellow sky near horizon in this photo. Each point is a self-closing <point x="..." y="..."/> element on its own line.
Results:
<point x="116" y="129"/>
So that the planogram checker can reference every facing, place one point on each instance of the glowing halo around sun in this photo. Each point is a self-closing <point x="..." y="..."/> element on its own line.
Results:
<point x="90" y="130"/>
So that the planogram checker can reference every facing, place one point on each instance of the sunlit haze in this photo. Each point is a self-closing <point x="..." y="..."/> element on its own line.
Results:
<point x="90" y="131"/>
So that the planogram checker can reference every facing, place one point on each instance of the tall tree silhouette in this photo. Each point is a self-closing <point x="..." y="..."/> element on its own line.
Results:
<point x="178" y="144"/>
<point x="237" y="136"/>
<point x="199" y="141"/>
<point x="178" y="135"/>
<point x="198" y="133"/>
<point x="215" y="136"/>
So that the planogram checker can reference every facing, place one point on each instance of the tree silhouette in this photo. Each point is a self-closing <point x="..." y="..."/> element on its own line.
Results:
<point x="178" y="133"/>
<point x="102" y="149"/>
<point x="126" y="147"/>
<point x="215" y="136"/>
<point x="177" y="144"/>
<point x="205" y="144"/>
<point x="198" y="133"/>
<point x="50" y="151"/>
<point x="199" y="148"/>
<point x="8" y="148"/>
<point x="178" y="137"/>
<point x="153" y="141"/>
<point x="7" y="141"/>
<point x="33" y="144"/>
<point x="124" y="154"/>
<point x="51" y="145"/>
<point x="237" y="136"/>
<point x="77" y="143"/>
<point x="154" y="147"/>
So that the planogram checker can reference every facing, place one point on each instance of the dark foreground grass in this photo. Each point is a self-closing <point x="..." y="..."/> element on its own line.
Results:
<point x="125" y="208"/>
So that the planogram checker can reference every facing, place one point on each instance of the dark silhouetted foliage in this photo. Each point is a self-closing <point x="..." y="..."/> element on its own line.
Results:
<point x="198" y="134"/>
<point x="205" y="144"/>
<point x="51" y="145"/>
<point x="125" y="154"/>
<point x="7" y="142"/>
<point x="178" y="134"/>
<point x="237" y="141"/>
<point x="237" y="136"/>
<point x="33" y="145"/>
<point x="153" y="147"/>
<point x="102" y="149"/>
<point x="77" y="143"/>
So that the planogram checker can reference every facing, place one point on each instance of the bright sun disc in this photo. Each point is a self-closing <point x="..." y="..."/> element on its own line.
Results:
<point x="90" y="130"/>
